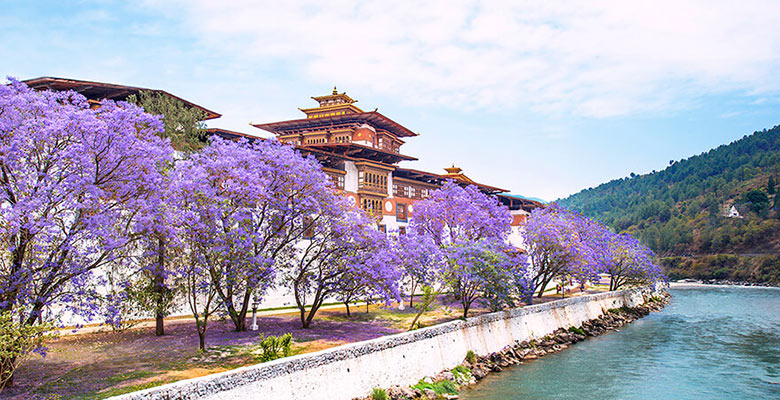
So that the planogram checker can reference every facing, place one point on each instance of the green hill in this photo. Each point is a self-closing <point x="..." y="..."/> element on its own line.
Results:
<point x="681" y="212"/>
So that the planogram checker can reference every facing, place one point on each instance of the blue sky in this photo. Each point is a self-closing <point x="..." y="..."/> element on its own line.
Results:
<point x="541" y="98"/>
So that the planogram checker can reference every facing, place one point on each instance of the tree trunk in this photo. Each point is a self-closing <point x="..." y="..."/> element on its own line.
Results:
<point x="346" y="303"/>
<point x="159" y="286"/>
<point x="411" y="295"/>
<point x="465" y="311"/>
<point x="304" y="324"/>
<point x="202" y="338"/>
<point x="202" y="326"/>
<point x="240" y="323"/>
<point x="160" y="329"/>
<point x="310" y="317"/>
<point x="543" y="286"/>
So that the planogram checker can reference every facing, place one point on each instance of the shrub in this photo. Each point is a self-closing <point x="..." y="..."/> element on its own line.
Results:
<point x="462" y="373"/>
<point x="17" y="342"/>
<point x="574" y="329"/>
<point x="379" y="394"/>
<point x="471" y="357"/>
<point x="274" y="345"/>
<point x="439" y="387"/>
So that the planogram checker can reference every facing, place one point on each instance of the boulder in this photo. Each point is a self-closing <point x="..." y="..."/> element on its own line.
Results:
<point x="400" y="393"/>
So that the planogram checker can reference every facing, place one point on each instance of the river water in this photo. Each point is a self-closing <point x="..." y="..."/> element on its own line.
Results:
<point x="709" y="343"/>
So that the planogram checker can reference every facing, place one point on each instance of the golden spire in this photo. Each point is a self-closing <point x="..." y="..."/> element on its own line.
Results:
<point x="335" y="91"/>
<point x="453" y="170"/>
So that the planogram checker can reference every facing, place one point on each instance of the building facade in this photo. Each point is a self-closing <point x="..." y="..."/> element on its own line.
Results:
<point x="359" y="150"/>
<point x="361" y="153"/>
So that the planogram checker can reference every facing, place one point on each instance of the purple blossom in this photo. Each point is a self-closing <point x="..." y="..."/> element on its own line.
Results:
<point x="469" y="230"/>
<point x="73" y="179"/>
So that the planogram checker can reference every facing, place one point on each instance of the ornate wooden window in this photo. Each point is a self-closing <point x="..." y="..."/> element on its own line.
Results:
<point x="315" y="141"/>
<point x="373" y="181"/>
<point x="410" y="191"/>
<point x="372" y="206"/>
<point x="337" y="180"/>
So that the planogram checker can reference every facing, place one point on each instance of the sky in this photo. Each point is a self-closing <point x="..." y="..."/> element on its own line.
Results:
<point x="541" y="98"/>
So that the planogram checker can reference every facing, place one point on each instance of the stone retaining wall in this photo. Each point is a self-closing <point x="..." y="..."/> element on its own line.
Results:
<point x="352" y="370"/>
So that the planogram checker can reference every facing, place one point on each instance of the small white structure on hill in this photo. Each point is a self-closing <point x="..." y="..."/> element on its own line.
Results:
<point x="732" y="212"/>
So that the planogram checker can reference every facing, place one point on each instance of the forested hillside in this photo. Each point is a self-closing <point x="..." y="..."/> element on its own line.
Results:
<point x="683" y="210"/>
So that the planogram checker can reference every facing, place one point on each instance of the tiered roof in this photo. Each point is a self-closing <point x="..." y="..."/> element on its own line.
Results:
<point x="96" y="91"/>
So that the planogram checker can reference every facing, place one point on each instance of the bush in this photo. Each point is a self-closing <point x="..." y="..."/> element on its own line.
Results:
<point x="440" y="387"/>
<point x="471" y="357"/>
<point x="379" y="394"/>
<point x="574" y="329"/>
<point x="17" y="342"/>
<point x="274" y="345"/>
<point x="462" y="373"/>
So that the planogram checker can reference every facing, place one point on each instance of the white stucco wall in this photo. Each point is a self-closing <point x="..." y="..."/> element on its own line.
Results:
<point x="352" y="370"/>
<point x="351" y="177"/>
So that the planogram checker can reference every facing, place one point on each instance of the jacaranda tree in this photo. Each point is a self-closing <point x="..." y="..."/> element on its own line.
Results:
<point x="566" y="245"/>
<point x="471" y="229"/>
<point x="72" y="181"/>
<point x="342" y="244"/>
<point x="629" y="262"/>
<point x="487" y="270"/>
<point x="419" y="259"/>
<point x="258" y="200"/>
<point x="556" y="248"/>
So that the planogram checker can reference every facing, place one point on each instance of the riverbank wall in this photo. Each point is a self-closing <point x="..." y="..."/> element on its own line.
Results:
<point x="352" y="370"/>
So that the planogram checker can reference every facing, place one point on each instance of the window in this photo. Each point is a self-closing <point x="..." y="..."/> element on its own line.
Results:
<point x="373" y="181"/>
<point x="372" y="206"/>
<point x="402" y="230"/>
<point x="337" y="180"/>
<point x="382" y="228"/>
<point x="400" y="212"/>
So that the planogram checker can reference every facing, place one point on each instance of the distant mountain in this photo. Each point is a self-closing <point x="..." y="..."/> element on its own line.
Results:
<point x="520" y="196"/>
<point x="723" y="201"/>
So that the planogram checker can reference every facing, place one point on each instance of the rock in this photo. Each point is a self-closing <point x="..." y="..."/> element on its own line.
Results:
<point x="427" y="379"/>
<point x="497" y="368"/>
<point x="447" y="376"/>
<point x="478" y="373"/>
<point x="430" y="394"/>
<point x="400" y="393"/>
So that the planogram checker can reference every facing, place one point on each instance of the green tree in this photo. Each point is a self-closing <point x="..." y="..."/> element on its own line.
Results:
<point x="182" y="124"/>
<point x="770" y="186"/>
<point x="184" y="127"/>
<point x="757" y="200"/>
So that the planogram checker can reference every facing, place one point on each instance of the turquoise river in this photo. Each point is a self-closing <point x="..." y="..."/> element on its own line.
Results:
<point x="709" y="343"/>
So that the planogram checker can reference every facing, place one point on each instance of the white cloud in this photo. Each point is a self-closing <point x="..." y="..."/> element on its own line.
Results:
<point x="597" y="59"/>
